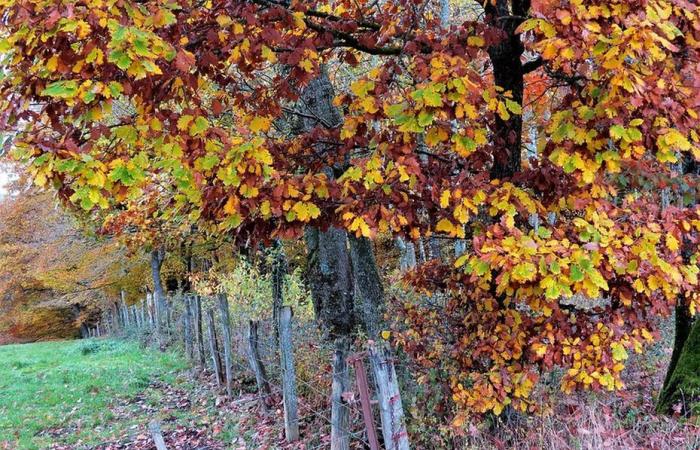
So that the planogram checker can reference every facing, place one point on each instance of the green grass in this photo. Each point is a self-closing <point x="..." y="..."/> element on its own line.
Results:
<point x="68" y="391"/>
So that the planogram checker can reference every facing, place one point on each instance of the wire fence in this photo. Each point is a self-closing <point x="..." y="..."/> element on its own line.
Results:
<point x="255" y="365"/>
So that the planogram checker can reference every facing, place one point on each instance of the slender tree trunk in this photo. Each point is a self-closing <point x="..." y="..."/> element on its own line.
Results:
<point x="279" y="271"/>
<point x="370" y="299"/>
<point x="407" y="260"/>
<point x="509" y="74"/>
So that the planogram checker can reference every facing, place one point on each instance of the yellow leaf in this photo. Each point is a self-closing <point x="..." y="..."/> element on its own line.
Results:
<point x="260" y="124"/>
<point x="52" y="63"/>
<point x="671" y="242"/>
<point x="445" y="199"/>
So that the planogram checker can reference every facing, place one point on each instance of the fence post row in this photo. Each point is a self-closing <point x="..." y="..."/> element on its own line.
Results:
<point x="123" y="317"/>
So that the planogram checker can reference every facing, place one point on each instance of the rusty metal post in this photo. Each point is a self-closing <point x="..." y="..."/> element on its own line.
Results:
<point x="357" y="360"/>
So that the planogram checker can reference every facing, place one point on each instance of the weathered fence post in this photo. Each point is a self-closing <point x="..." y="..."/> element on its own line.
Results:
<point x="226" y="326"/>
<point x="289" y="389"/>
<point x="125" y="309"/>
<point x="214" y="346"/>
<point x="187" y="328"/>
<point x="256" y="363"/>
<point x="149" y="307"/>
<point x="157" y="435"/>
<point x="389" y="399"/>
<point x="340" y="413"/>
<point x="198" y="338"/>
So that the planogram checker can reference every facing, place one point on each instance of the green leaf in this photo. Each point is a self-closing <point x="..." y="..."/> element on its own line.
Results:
<point x="208" y="162"/>
<point x="576" y="274"/>
<point x="514" y="106"/>
<point x="61" y="89"/>
<point x="425" y="118"/>
<point x="617" y="132"/>
<point x="618" y="352"/>
<point x="524" y="272"/>
<point x="120" y="58"/>
<point x="122" y="175"/>
<point x="394" y="111"/>
<point x="199" y="126"/>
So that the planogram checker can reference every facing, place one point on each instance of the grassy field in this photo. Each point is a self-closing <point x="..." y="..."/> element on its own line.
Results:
<point x="72" y="392"/>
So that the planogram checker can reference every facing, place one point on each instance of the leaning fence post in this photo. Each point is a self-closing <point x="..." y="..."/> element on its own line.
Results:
<point x="289" y="390"/>
<point x="256" y="363"/>
<point x="363" y="388"/>
<point x="226" y="326"/>
<point x="213" y="346"/>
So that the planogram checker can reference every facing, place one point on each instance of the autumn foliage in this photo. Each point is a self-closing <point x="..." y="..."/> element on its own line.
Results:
<point x="578" y="237"/>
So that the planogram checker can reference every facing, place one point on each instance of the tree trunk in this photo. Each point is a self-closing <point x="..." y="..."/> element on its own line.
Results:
<point x="509" y="74"/>
<point x="681" y="392"/>
<point x="370" y="298"/>
<point x="279" y="270"/>
<point x="330" y="280"/>
<point x="228" y="357"/>
<point x="407" y="260"/>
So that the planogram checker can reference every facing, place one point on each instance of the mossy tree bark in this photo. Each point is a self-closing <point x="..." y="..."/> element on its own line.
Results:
<point x="681" y="391"/>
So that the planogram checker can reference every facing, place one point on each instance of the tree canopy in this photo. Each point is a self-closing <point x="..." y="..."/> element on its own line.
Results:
<point x="550" y="136"/>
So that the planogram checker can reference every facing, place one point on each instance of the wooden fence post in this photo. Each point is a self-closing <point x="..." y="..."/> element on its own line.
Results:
<point x="389" y="398"/>
<point x="289" y="389"/>
<point x="125" y="309"/>
<point x="151" y="313"/>
<point x="340" y="413"/>
<point x="256" y="363"/>
<point x="214" y="346"/>
<point x="187" y="328"/>
<point x="226" y="326"/>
